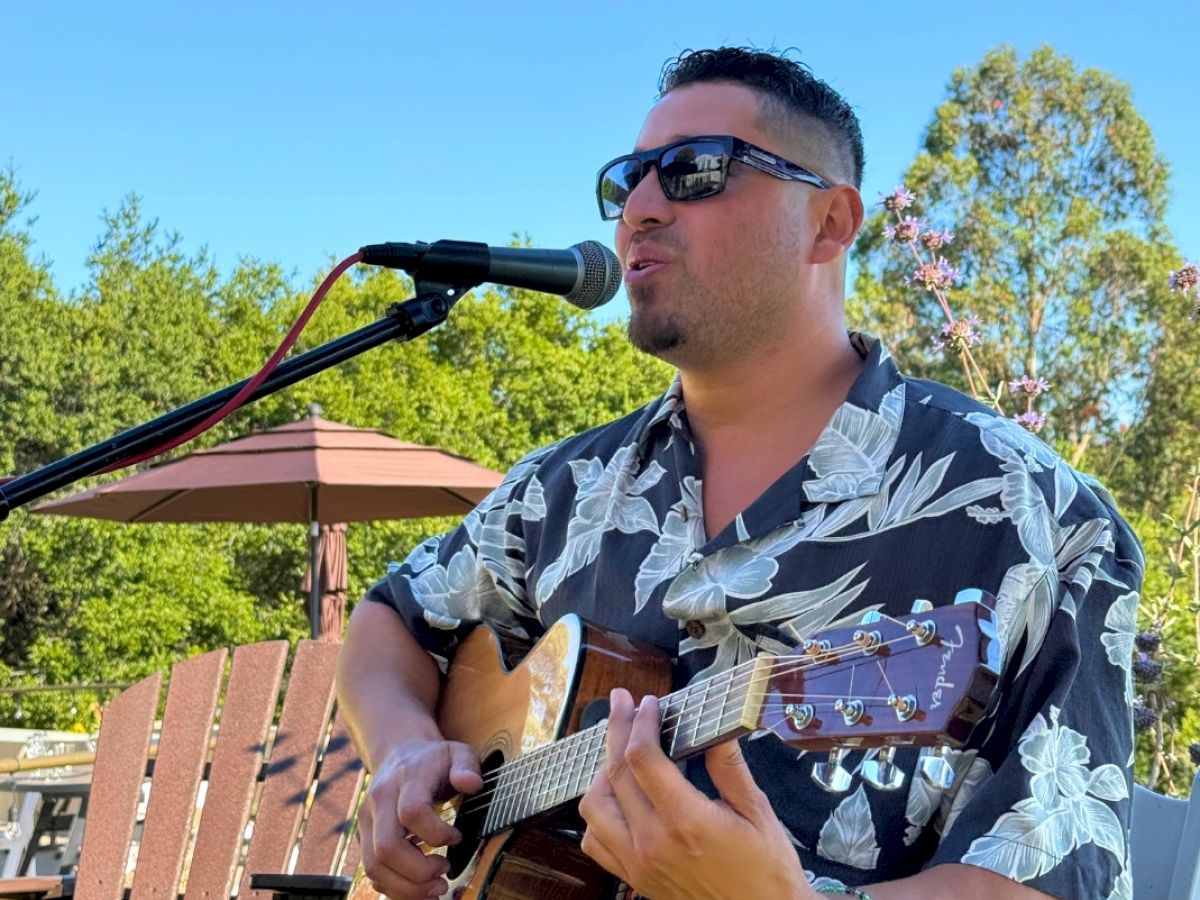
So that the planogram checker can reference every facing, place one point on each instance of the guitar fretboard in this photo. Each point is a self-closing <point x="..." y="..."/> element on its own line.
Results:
<point x="694" y="719"/>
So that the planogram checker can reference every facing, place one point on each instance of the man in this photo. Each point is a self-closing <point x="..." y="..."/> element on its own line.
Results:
<point x="790" y="479"/>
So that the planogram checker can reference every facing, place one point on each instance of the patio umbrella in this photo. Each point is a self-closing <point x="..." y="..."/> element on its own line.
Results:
<point x="314" y="470"/>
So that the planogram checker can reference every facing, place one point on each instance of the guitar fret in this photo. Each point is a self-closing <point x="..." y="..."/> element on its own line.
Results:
<point x="718" y="723"/>
<point x="696" y="717"/>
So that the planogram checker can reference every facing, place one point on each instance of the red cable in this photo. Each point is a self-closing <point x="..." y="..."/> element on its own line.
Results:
<point x="252" y="385"/>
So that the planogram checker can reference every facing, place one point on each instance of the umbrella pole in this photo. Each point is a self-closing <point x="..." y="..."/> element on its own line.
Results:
<point x="314" y="592"/>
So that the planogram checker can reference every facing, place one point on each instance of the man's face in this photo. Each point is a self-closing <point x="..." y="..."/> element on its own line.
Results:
<point x="730" y="267"/>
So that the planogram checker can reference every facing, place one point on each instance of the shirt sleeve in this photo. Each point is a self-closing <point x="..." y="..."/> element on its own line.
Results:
<point x="472" y="574"/>
<point x="1046" y="800"/>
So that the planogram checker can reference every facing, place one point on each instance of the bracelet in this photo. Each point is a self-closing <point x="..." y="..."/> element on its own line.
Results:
<point x="842" y="889"/>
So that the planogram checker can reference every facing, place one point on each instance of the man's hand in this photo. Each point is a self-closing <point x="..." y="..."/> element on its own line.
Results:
<point x="649" y="826"/>
<point x="399" y="810"/>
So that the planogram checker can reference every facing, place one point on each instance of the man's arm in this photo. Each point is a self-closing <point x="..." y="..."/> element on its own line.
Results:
<point x="387" y="685"/>
<point x="387" y="691"/>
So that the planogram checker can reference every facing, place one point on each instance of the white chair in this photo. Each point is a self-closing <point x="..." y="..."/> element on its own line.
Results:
<point x="1165" y="845"/>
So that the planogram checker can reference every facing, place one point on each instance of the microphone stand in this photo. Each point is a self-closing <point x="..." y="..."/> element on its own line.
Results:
<point x="403" y="322"/>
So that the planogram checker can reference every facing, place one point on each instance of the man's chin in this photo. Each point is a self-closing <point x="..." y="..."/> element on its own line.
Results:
<point x="658" y="338"/>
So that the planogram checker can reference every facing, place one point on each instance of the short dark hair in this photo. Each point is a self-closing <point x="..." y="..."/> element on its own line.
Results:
<point x="789" y="87"/>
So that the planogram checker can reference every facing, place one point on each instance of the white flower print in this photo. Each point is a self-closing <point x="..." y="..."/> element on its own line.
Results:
<point x="682" y="534"/>
<point x="848" y="836"/>
<point x="849" y="456"/>
<point x="608" y="498"/>
<point x="1122" y="619"/>
<point x="1066" y="809"/>
<point x="798" y="613"/>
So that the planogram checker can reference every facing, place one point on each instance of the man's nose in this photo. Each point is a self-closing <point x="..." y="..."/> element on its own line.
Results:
<point x="647" y="205"/>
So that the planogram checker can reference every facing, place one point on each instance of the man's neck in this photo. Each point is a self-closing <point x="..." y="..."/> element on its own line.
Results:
<point x="782" y="390"/>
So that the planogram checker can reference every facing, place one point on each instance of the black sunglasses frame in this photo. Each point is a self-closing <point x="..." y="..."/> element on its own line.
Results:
<point x="733" y="148"/>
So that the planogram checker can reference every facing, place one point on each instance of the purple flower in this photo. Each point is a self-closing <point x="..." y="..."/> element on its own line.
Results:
<point x="1147" y="671"/>
<point x="958" y="336"/>
<point x="1186" y="279"/>
<point x="1147" y="641"/>
<point x="1143" y="719"/>
<point x="1032" y="420"/>
<point x="904" y="232"/>
<point x="935" y="276"/>
<point x="1030" y="386"/>
<point x="900" y="198"/>
<point x="933" y="240"/>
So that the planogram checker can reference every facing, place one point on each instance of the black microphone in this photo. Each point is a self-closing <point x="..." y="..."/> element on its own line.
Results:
<point x="586" y="274"/>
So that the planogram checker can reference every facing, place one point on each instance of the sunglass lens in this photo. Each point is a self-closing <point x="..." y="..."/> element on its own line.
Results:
<point x="616" y="184"/>
<point x="694" y="170"/>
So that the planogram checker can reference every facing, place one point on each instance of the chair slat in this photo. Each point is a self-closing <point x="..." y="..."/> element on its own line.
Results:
<point x="246" y="717"/>
<point x="293" y="760"/>
<point x="338" y="786"/>
<point x="125" y="729"/>
<point x="178" y="768"/>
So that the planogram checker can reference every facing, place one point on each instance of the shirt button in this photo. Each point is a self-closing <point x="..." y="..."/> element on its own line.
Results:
<point x="695" y="628"/>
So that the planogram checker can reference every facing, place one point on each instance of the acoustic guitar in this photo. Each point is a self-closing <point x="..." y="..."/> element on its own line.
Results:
<point x="539" y="727"/>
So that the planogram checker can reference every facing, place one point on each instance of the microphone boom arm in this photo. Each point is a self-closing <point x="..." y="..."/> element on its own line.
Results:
<point x="403" y="322"/>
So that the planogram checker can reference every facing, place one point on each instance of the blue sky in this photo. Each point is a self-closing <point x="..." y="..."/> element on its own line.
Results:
<point x="297" y="132"/>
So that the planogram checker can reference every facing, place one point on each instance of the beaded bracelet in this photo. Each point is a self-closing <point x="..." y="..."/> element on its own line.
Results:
<point x="842" y="889"/>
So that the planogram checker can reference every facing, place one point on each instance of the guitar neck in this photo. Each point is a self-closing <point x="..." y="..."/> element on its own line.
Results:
<point x="709" y="712"/>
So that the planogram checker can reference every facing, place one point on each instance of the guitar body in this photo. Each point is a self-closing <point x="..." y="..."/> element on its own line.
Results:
<point x="540" y="739"/>
<point x="502" y="714"/>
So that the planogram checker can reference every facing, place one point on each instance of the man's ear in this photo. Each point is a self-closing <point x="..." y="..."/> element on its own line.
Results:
<point x="841" y="212"/>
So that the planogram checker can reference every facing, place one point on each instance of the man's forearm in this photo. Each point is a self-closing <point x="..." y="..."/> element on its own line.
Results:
<point x="953" y="881"/>
<point x="387" y="685"/>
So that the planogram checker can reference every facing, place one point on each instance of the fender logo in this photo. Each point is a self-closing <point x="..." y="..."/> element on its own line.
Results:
<point x="941" y="682"/>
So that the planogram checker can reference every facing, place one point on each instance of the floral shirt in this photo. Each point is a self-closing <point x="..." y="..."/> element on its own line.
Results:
<point x="912" y="491"/>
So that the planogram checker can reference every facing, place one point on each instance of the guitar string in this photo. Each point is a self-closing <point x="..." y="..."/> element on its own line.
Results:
<point x="537" y="764"/>
<point x="800" y="663"/>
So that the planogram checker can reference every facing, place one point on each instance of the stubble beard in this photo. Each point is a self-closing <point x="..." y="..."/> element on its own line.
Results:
<point x="650" y="331"/>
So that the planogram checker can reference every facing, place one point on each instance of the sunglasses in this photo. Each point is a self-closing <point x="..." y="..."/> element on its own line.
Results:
<point x="690" y="169"/>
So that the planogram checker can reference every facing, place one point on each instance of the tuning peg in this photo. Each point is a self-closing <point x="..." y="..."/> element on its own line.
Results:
<point x="831" y="776"/>
<point x="920" y="606"/>
<point x="852" y="710"/>
<point x="935" y="768"/>
<point x="882" y="772"/>
<point x="870" y="617"/>
<point x="969" y="595"/>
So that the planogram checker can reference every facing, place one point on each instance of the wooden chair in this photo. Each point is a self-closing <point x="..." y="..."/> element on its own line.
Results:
<point x="297" y="785"/>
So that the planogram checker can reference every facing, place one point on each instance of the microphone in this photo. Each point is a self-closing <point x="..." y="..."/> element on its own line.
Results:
<point x="586" y="275"/>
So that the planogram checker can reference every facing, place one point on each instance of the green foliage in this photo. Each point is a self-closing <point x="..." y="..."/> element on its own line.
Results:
<point x="92" y="601"/>
<point x="1051" y="183"/>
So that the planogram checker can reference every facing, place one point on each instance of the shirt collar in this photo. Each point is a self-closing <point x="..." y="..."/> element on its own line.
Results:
<point x="850" y="457"/>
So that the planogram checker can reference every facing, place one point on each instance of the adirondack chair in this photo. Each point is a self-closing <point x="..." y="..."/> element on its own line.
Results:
<point x="299" y="790"/>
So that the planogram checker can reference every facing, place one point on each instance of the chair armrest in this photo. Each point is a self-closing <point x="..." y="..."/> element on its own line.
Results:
<point x="319" y="887"/>
<point x="38" y="887"/>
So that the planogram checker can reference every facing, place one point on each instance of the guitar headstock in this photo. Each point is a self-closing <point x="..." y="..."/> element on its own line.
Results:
<point x="921" y="680"/>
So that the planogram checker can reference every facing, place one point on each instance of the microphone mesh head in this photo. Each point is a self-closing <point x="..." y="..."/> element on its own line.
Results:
<point x="601" y="276"/>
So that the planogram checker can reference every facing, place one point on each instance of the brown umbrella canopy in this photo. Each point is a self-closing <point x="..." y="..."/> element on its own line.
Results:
<point x="313" y="471"/>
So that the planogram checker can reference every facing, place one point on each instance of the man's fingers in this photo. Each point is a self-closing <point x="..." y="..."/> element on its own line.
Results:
<point x="464" y="769"/>
<point x="400" y="874"/>
<point x="594" y="847"/>
<point x="416" y="812"/>
<point x="632" y="803"/>
<point x="657" y="777"/>
<point x="732" y="778"/>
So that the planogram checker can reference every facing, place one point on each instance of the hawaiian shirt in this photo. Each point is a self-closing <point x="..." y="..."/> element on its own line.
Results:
<point x="913" y="490"/>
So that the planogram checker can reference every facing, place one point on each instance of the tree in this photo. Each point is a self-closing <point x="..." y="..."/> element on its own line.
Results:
<point x="154" y="328"/>
<point x="1050" y="181"/>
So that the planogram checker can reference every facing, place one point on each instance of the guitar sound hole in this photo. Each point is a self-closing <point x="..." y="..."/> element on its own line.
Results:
<point x="472" y="811"/>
